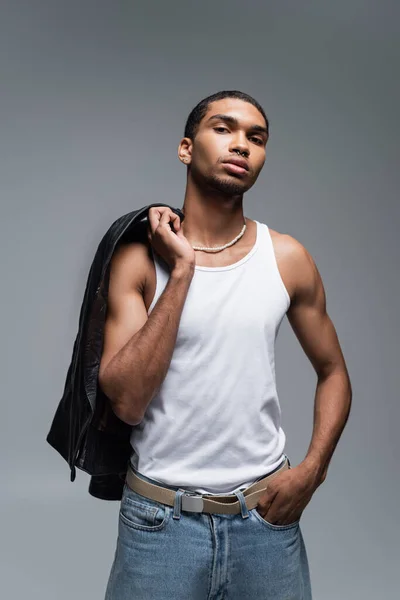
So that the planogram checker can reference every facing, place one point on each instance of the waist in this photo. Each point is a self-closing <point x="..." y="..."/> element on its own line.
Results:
<point x="203" y="491"/>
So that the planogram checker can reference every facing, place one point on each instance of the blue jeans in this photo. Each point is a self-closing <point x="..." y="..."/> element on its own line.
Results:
<point x="201" y="556"/>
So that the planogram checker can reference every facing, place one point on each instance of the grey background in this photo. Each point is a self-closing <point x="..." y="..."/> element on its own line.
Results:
<point x="94" y="96"/>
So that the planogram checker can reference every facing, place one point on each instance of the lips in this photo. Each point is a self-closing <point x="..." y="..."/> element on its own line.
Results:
<point x="240" y="162"/>
<point x="235" y="169"/>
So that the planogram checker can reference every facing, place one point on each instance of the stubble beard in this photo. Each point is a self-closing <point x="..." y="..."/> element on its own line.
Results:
<point x="222" y="186"/>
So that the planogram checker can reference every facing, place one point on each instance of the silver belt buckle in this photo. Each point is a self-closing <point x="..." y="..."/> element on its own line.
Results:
<point x="192" y="502"/>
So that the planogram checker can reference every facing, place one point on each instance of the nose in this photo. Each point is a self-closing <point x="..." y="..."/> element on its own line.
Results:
<point x="240" y="144"/>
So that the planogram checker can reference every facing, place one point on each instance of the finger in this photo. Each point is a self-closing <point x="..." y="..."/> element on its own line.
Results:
<point x="281" y="511"/>
<point x="267" y="498"/>
<point x="167" y="217"/>
<point x="153" y="218"/>
<point x="176" y="222"/>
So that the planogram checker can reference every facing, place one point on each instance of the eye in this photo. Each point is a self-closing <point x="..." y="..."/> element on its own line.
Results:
<point x="258" y="140"/>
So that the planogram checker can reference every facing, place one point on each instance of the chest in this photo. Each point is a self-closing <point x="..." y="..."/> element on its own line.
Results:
<point x="224" y="259"/>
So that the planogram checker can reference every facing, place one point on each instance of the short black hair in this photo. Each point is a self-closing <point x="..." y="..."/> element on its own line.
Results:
<point x="200" y="110"/>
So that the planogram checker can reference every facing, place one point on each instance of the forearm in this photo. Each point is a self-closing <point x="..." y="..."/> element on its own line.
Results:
<point x="331" y="411"/>
<point x="139" y="368"/>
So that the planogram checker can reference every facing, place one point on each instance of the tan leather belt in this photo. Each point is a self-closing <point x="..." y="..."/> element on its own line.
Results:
<point x="193" y="502"/>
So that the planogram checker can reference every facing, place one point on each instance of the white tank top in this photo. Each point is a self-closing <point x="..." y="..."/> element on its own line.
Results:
<point x="214" y="426"/>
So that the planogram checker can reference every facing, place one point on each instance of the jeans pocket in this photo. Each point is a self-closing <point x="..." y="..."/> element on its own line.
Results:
<point x="272" y="525"/>
<point x="139" y="512"/>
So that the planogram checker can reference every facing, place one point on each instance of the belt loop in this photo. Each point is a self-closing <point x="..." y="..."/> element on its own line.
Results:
<point x="178" y="504"/>
<point x="243" y="505"/>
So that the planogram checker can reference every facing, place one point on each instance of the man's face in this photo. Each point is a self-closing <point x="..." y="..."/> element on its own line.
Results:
<point x="218" y="140"/>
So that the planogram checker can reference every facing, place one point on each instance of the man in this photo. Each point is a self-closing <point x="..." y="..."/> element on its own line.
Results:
<point x="188" y="362"/>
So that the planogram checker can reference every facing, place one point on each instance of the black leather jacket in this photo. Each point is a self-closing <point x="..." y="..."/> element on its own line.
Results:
<point x="85" y="430"/>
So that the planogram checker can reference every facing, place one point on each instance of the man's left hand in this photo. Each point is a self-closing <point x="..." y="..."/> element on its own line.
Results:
<point x="287" y="495"/>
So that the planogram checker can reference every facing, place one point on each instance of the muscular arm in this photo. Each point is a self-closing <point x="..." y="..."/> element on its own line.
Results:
<point x="316" y="333"/>
<point x="138" y="348"/>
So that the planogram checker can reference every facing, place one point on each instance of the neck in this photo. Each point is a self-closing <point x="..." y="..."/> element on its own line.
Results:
<point x="212" y="220"/>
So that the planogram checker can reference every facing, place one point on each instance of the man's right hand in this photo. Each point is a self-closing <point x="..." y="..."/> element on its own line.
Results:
<point x="165" y="235"/>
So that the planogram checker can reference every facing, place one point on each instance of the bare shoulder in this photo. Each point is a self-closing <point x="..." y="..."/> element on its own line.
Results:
<point x="296" y="265"/>
<point x="130" y="264"/>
